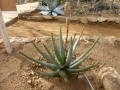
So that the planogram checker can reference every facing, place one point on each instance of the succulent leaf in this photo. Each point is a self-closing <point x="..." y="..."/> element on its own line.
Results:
<point x="54" y="14"/>
<point x="44" y="8"/>
<point x="62" y="53"/>
<point x="52" y="57"/>
<point x="76" y="43"/>
<point x="50" y="66"/>
<point x="81" y="69"/>
<point x="59" y="7"/>
<point x="80" y="61"/>
<point x="42" y="53"/>
<point x="45" y="12"/>
<point x="69" y="55"/>
<point x="87" y="51"/>
<point x="57" y="53"/>
<point x="59" y="12"/>
<point x="50" y="74"/>
<point x="63" y="74"/>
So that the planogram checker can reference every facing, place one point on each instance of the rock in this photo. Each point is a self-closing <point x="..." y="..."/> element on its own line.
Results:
<point x="74" y="18"/>
<point x="110" y="78"/>
<point x="117" y="20"/>
<point x="1" y="41"/>
<point x="110" y="19"/>
<point x="117" y="43"/>
<point x="20" y="39"/>
<point x="61" y="19"/>
<point x="35" y="18"/>
<point x="101" y="19"/>
<point x="45" y="38"/>
<point x="45" y="84"/>
<point x="54" y="17"/>
<point x="29" y="81"/>
<point x="92" y="19"/>
<point x="47" y="17"/>
<point x="111" y="39"/>
<point x="84" y="20"/>
<point x="92" y="38"/>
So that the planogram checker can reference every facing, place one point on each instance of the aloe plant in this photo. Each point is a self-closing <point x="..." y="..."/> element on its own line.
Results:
<point x="62" y="64"/>
<point x="52" y="8"/>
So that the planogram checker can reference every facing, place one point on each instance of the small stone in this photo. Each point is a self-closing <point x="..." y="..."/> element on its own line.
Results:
<point x="92" y="19"/>
<point x="45" y="38"/>
<point x="101" y="19"/>
<point x="47" y="17"/>
<point x="45" y="83"/>
<point x="61" y="19"/>
<point x="29" y="81"/>
<point x="110" y="19"/>
<point x="84" y="20"/>
<point x="110" y="78"/>
<point x="117" y="20"/>
<point x="74" y="18"/>
<point x="32" y="73"/>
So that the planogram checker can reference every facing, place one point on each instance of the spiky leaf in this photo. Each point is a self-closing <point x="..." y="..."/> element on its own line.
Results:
<point x="62" y="53"/>
<point x="50" y="66"/>
<point x="57" y="53"/>
<point x="49" y="74"/>
<point x="87" y="51"/>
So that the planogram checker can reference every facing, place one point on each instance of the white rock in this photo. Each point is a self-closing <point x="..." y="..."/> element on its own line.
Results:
<point x="46" y="85"/>
<point x="21" y="39"/>
<point x="110" y="78"/>
<point x="117" y="20"/>
<point x="84" y="20"/>
<point x="110" y="19"/>
<point x="92" y="19"/>
<point x="29" y="81"/>
<point x="1" y="41"/>
<point x="101" y="19"/>
<point x="47" y="17"/>
<point x="45" y="38"/>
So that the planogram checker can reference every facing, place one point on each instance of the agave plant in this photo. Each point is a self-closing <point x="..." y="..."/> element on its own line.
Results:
<point x="52" y="8"/>
<point x="61" y="64"/>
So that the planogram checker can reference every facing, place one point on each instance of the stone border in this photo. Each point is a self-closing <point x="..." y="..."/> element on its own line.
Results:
<point x="111" y="40"/>
<point x="84" y="20"/>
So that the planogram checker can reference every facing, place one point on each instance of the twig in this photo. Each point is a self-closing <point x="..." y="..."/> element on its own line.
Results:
<point x="89" y="82"/>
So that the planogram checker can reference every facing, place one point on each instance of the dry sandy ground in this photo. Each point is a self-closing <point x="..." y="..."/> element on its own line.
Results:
<point x="16" y="71"/>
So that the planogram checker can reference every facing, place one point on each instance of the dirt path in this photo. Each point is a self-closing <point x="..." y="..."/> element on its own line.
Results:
<point x="38" y="29"/>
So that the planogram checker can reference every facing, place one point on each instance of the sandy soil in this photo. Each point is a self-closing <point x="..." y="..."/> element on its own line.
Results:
<point x="16" y="71"/>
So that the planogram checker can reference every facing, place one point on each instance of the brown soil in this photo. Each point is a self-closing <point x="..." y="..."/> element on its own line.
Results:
<point x="16" y="71"/>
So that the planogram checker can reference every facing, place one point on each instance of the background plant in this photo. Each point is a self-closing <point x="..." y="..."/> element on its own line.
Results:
<point x="52" y="8"/>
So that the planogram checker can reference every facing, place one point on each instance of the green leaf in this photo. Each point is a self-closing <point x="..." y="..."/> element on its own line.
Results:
<point x="57" y="53"/>
<point x="82" y="69"/>
<point x="62" y="53"/>
<point x="76" y="43"/>
<point x="80" y="61"/>
<point x="87" y="51"/>
<point x="69" y="55"/>
<point x="51" y="56"/>
<point x="63" y="74"/>
<point x="50" y="74"/>
<point x="50" y="66"/>
<point x="42" y="53"/>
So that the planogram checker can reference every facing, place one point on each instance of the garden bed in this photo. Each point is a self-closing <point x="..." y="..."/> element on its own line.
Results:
<point x="85" y="19"/>
<point x="16" y="71"/>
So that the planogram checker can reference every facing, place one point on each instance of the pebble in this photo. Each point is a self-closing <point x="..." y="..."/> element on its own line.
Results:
<point x="29" y="81"/>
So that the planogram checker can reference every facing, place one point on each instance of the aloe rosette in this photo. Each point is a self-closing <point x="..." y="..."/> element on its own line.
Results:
<point x="62" y="64"/>
<point x="52" y="8"/>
